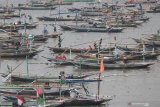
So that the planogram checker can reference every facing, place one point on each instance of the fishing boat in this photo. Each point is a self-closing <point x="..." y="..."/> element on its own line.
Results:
<point x="32" y="92"/>
<point x="86" y="13"/>
<point x="67" y="27"/>
<point x="53" y="35"/>
<point x="19" y="25"/>
<point x="95" y="29"/>
<point x="154" y="9"/>
<point x="6" y="10"/>
<point x="148" y="42"/>
<point x="76" y="50"/>
<point x="85" y="101"/>
<point x="142" y="2"/>
<point x="37" y="8"/>
<point x="58" y="61"/>
<point x="130" y="65"/>
<point x="19" y="54"/>
<point x="29" y="79"/>
<point x="11" y="101"/>
<point x="123" y="25"/>
<point x="45" y="18"/>
<point x="6" y="15"/>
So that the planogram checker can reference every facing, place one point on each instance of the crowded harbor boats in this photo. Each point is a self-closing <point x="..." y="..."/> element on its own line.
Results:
<point x="70" y="51"/>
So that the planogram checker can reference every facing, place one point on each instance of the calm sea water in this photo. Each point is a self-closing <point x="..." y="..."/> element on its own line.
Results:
<point x="138" y="88"/>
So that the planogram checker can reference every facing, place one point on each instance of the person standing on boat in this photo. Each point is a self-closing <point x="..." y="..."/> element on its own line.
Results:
<point x="17" y="44"/>
<point x="100" y="42"/>
<point x="59" y="41"/>
<point x="45" y="31"/>
<point x="125" y="59"/>
<point x="30" y="18"/>
<point x="95" y="45"/>
<point x="62" y="77"/>
<point x="55" y="29"/>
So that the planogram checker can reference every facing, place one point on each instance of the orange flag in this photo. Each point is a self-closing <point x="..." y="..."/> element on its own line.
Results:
<point x="102" y="66"/>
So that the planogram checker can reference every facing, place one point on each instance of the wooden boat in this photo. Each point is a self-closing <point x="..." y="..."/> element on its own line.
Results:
<point x="19" y="26"/>
<point x="123" y="25"/>
<point x="153" y="11"/>
<point x="13" y="50"/>
<point x="53" y="35"/>
<point x="32" y="92"/>
<point x="6" y="10"/>
<point x="45" y="18"/>
<point x="62" y="3"/>
<point x="19" y="54"/>
<point x="85" y="101"/>
<point x="60" y="61"/>
<point x="26" y="79"/>
<point x="94" y="29"/>
<point x="74" y="9"/>
<point x="79" y="58"/>
<point x="141" y="2"/>
<point x="76" y="50"/>
<point x="67" y="27"/>
<point x="11" y="101"/>
<point x="6" y="15"/>
<point x="146" y="42"/>
<point x="130" y="65"/>
<point x="86" y="13"/>
<point x="35" y="8"/>
<point x="137" y="53"/>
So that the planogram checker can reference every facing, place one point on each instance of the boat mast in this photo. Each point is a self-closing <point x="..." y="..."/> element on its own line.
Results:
<point x="59" y="7"/>
<point x="27" y="65"/>
<point x="99" y="77"/>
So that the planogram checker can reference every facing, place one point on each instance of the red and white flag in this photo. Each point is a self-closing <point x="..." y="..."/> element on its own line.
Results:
<point x="39" y="91"/>
<point x="21" y="100"/>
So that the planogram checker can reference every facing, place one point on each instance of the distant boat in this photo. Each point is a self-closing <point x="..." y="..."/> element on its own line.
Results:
<point x="32" y="92"/>
<point x="85" y="101"/>
<point x="37" y="8"/>
<point x="45" y="18"/>
<point x="19" y="54"/>
<point x="154" y="9"/>
<point x="95" y="29"/>
<point x="25" y="79"/>
<point x="19" y="26"/>
<point x="53" y="35"/>
<point x="75" y="50"/>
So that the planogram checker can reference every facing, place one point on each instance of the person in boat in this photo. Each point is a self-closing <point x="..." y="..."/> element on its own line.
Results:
<point x="19" y="22"/>
<point x="55" y="29"/>
<point x="69" y="76"/>
<point x="122" y="19"/>
<point x="125" y="60"/>
<point x="62" y="77"/>
<point x="45" y="31"/>
<point x="17" y="44"/>
<point x="59" y="41"/>
<point x="95" y="45"/>
<point x="30" y="18"/>
<point x="100" y="42"/>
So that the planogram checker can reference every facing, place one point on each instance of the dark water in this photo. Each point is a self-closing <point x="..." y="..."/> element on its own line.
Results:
<point x="137" y="88"/>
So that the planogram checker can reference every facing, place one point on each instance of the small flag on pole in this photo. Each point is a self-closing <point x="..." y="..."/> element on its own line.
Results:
<point x="39" y="91"/>
<point x="21" y="100"/>
<point x="40" y="96"/>
<point x="102" y="66"/>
